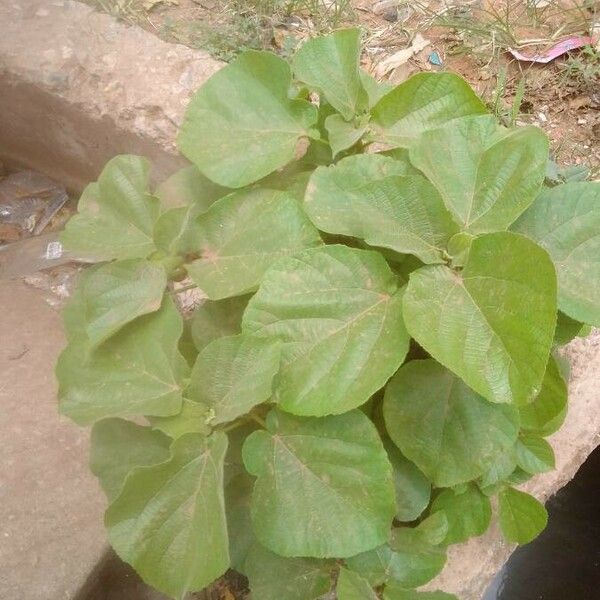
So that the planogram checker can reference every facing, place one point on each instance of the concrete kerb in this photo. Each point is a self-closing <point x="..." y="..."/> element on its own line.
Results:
<point x="78" y="88"/>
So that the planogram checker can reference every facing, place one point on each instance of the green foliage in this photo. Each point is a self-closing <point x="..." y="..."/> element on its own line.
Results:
<point x="304" y="439"/>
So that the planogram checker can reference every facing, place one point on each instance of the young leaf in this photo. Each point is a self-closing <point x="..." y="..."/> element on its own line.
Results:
<point x="215" y="319"/>
<point x="274" y="577"/>
<point x="193" y="418"/>
<point x="425" y="101"/>
<point x="241" y="235"/>
<point x="547" y="412"/>
<point x="169" y="520"/>
<point x="117" y="293"/>
<point x="534" y="454"/>
<point x="488" y="175"/>
<point x="450" y="432"/>
<point x="337" y="464"/>
<point x="493" y="323"/>
<point x="413" y="489"/>
<point x="365" y="196"/>
<point x="342" y="134"/>
<point x="188" y="187"/>
<point x="118" y="447"/>
<point x="565" y="220"/>
<point x="241" y="125"/>
<point x="116" y="214"/>
<point x="139" y="372"/>
<point x="337" y="311"/>
<point x="351" y="586"/>
<point x="329" y="64"/>
<point x="233" y="374"/>
<point x="522" y="517"/>
<point x="468" y="511"/>
<point x="410" y="560"/>
<point x="376" y="90"/>
<point x="393" y="591"/>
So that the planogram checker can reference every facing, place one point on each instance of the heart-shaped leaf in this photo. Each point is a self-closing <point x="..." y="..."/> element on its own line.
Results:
<point x="329" y="64"/>
<point x="450" y="432"/>
<point x="118" y="447"/>
<point x="425" y="101"/>
<point x="337" y="312"/>
<point x="351" y="586"/>
<point x="522" y="517"/>
<point x="233" y="374"/>
<point x="173" y="513"/>
<point x="336" y="463"/>
<point x="241" y="125"/>
<point x="140" y="371"/>
<point x="366" y="196"/>
<point x="242" y="235"/>
<point x="117" y="293"/>
<point x="488" y="175"/>
<point x="565" y="220"/>
<point x="274" y="577"/>
<point x="116" y="214"/>
<point x="468" y="511"/>
<point x="493" y="322"/>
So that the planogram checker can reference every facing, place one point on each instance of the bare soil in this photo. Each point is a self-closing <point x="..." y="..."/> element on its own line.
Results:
<point x="471" y="38"/>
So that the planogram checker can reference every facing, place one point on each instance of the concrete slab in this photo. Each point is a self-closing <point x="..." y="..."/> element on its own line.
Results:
<point x="51" y="531"/>
<point x="78" y="87"/>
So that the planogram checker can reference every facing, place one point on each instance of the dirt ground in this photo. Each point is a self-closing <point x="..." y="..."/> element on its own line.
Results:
<point x="471" y="37"/>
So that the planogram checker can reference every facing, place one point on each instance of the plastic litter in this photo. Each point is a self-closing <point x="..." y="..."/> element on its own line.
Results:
<point x="435" y="59"/>
<point x="28" y="202"/>
<point x="564" y="46"/>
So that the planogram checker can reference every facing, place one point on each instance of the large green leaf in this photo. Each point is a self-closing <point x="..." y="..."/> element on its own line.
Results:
<point x="410" y="559"/>
<point x="425" y="101"/>
<point x="169" y="520"/>
<point x="242" y="235"/>
<point x="493" y="322"/>
<point x="138" y="372"/>
<point x="215" y="319"/>
<point x="566" y="221"/>
<point x="241" y="125"/>
<point x="117" y="293"/>
<point x="351" y="586"/>
<point x="324" y="486"/>
<point x="232" y="374"/>
<point x="450" y="432"/>
<point x="534" y="454"/>
<point x="329" y="64"/>
<point x="393" y="591"/>
<point x="366" y="196"/>
<point x="413" y="489"/>
<point x="488" y="175"/>
<point x="119" y="446"/>
<point x="116" y="214"/>
<point x="547" y="412"/>
<point x="522" y="517"/>
<point x="468" y="511"/>
<point x="337" y="311"/>
<point x="274" y="577"/>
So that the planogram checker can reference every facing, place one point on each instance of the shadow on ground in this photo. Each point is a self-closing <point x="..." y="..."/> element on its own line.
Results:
<point x="563" y="563"/>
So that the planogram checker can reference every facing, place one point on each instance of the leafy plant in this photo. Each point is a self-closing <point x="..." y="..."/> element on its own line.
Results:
<point x="384" y="275"/>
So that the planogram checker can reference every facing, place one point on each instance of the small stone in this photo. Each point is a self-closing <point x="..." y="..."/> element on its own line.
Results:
<point x="542" y="117"/>
<point x="391" y="14"/>
<point x="581" y="121"/>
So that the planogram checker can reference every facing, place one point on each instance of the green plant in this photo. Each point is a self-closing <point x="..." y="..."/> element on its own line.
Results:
<point x="302" y="438"/>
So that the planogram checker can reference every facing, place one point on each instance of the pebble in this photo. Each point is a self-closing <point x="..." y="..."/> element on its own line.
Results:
<point x="542" y="117"/>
